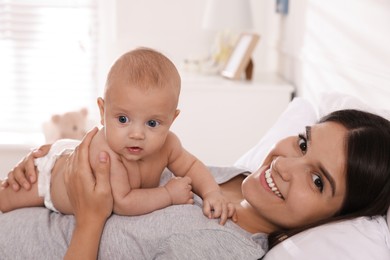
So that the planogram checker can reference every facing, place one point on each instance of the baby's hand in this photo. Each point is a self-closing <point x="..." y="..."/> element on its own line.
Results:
<point x="215" y="205"/>
<point x="180" y="190"/>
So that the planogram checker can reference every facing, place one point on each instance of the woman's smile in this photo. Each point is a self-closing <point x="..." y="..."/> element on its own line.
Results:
<point x="271" y="183"/>
<point x="268" y="183"/>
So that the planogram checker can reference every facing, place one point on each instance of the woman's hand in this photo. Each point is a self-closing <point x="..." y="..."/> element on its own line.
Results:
<point x="90" y="194"/>
<point x="24" y="173"/>
<point x="89" y="189"/>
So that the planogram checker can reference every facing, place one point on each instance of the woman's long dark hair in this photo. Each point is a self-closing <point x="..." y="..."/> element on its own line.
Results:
<point x="367" y="169"/>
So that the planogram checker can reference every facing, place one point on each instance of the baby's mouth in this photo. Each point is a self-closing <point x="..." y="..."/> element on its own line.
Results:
<point x="271" y="184"/>
<point x="134" y="149"/>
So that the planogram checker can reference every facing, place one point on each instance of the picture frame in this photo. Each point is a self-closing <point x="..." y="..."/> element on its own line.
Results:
<point x="239" y="60"/>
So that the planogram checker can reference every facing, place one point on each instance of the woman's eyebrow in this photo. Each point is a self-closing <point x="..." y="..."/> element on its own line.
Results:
<point x="308" y="132"/>
<point x="329" y="178"/>
<point x="322" y="169"/>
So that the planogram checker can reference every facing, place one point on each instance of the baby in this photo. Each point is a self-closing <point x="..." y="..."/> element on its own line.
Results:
<point x="139" y="106"/>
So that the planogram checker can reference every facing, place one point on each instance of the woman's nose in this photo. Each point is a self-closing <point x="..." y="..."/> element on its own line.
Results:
<point x="287" y="166"/>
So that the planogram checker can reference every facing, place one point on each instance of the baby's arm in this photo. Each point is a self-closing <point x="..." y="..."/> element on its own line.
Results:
<point x="128" y="201"/>
<point x="145" y="200"/>
<point x="119" y="178"/>
<point x="215" y="204"/>
<point x="182" y="163"/>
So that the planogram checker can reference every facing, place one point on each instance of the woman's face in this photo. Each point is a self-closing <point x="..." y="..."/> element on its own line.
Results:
<point x="302" y="180"/>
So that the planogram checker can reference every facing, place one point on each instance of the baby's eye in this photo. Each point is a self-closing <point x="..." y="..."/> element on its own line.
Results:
<point x="123" y="119"/>
<point x="302" y="143"/>
<point x="153" y="123"/>
<point x="318" y="182"/>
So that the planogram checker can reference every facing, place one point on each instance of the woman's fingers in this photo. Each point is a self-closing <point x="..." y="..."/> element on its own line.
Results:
<point x="30" y="167"/>
<point x="103" y="185"/>
<point x="102" y="173"/>
<point x="78" y="162"/>
<point x="89" y="189"/>
<point x="24" y="173"/>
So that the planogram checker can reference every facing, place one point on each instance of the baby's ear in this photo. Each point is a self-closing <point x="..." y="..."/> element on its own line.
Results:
<point x="100" y="102"/>
<point x="177" y="112"/>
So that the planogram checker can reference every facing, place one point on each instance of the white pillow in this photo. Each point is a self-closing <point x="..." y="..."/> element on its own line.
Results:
<point x="298" y="114"/>
<point x="388" y="218"/>
<point x="361" y="238"/>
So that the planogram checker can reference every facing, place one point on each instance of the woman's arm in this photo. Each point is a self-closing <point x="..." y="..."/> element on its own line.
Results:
<point x="90" y="194"/>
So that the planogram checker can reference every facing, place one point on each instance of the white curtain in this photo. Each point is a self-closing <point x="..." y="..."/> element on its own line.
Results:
<point x="338" y="46"/>
<point x="47" y="61"/>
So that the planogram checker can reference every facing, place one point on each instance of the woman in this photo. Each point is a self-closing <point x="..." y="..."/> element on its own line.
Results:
<point x="337" y="169"/>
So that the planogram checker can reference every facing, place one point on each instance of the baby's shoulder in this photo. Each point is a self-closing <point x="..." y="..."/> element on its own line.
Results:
<point x="172" y="140"/>
<point x="99" y="144"/>
<point x="172" y="135"/>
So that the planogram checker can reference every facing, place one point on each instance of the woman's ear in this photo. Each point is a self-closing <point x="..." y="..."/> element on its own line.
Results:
<point x="100" y="102"/>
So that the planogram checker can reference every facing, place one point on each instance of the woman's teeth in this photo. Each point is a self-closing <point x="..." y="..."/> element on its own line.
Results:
<point x="271" y="183"/>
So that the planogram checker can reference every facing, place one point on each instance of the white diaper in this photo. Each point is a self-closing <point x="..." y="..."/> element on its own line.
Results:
<point x="45" y="165"/>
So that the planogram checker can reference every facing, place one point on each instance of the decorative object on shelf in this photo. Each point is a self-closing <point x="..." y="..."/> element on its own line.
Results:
<point x="240" y="60"/>
<point x="227" y="18"/>
<point x="282" y="6"/>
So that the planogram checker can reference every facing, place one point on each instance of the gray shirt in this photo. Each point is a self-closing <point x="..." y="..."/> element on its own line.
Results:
<point x="176" y="232"/>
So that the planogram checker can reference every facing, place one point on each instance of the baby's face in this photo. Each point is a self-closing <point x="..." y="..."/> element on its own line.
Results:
<point x="137" y="121"/>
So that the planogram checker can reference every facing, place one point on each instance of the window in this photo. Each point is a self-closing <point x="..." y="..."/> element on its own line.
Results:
<point x="47" y="64"/>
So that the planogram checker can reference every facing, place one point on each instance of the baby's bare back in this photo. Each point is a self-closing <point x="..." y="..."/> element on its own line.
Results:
<point x="58" y="192"/>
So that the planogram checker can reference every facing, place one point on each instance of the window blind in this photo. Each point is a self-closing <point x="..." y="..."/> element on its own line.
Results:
<point x="47" y="61"/>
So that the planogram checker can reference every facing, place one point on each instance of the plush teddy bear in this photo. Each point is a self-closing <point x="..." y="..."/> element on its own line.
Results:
<point x="70" y="125"/>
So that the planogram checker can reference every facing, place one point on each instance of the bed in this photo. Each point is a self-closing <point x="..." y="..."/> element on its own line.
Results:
<point x="42" y="234"/>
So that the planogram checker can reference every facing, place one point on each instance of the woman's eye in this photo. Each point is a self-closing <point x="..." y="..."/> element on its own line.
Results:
<point x="153" y="123"/>
<point x="302" y="143"/>
<point x="318" y="182"/>
<point x="123" y="119"/>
